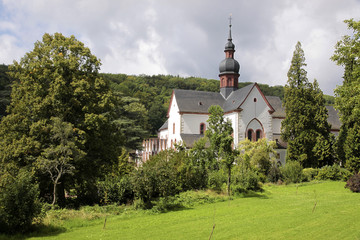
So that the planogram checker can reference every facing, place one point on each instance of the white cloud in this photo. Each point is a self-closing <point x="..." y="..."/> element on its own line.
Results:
<point x="9" y="49"/>
<point x="187" y="37"/>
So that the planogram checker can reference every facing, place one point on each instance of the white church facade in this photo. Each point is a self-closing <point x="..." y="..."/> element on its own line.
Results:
<point x="252" y="114"/>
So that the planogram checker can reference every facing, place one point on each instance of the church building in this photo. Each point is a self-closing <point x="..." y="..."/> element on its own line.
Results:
<point x="252" y="114"/>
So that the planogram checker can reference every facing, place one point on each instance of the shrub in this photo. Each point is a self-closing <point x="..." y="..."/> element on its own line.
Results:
<point x="19" y="203"/>
<point x="216" y="180"/>
<point x="186" y="200"/>
<point x="116" y="189"/>
<point x="158" y="177"/>
<point x="310" y="174"/>
<point x="246" y="180"/>
<point x="354" y="183"/>
<point x="334" y="172"/>
<point x="165" y="204"/>
<point x="274" y="173"/>
<point x="292" y="172"/>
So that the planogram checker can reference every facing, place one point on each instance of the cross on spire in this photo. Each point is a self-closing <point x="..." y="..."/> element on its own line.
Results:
<point x="230" y="18"/>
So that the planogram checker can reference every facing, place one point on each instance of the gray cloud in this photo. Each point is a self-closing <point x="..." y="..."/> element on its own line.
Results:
<point x="187" y="37"/>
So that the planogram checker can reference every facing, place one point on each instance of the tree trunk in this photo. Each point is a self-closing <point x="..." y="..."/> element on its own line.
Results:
<point x="56" y="182"/>
<point x="54" y="193"/>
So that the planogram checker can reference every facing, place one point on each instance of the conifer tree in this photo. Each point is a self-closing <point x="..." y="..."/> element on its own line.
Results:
<point x="347" y="97"/>
<point x="305" y="126"/>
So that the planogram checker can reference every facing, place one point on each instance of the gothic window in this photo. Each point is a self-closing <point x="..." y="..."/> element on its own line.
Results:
<point x="202" y="128"/>
<point x="258" y="134"/>
<point x="250" y="134"/>
<point x="173" y="128"/>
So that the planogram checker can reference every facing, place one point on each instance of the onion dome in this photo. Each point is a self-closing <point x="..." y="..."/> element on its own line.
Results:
<point x="229" y="65"/>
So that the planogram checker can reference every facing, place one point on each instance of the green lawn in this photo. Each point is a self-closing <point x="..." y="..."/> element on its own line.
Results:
<point x="281" y="212"/>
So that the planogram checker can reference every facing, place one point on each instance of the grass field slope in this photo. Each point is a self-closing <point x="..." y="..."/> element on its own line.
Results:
<point x="316" y="210"/>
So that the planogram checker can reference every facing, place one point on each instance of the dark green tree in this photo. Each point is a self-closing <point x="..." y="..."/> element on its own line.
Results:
<point x="347" y="96"/>
<point x="59" y="78"/>
<point x="305" y="126"/>
<point x="220" y="137"/>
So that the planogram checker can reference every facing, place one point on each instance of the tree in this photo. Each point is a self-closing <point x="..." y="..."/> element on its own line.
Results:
<point x="347" y="96"/>
<point x="305" y="126"/>
<point x="58" y="158"/>
<point x="59" y="78"/>
<point x="219" y="134"/>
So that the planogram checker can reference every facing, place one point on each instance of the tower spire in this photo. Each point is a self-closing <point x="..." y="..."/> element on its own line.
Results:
<point x="230" y="18"/>
<point x="229" y="68"/>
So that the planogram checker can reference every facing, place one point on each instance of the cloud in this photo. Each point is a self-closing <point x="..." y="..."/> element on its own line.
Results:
<point x="187" y="37"/>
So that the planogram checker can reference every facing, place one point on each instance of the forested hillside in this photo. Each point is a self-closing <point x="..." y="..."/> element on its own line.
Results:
<point x="149" y="95"/>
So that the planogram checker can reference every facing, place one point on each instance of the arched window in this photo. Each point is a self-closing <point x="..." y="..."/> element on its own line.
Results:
<point x="202" y="128"/>
<point x="172" y="144"/>
<point x="173" y="128"/>
<point x="250" y="134"/>
<point x="258" y="134"/>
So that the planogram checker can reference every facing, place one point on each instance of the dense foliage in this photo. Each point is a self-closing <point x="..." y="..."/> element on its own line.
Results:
<point x="305" y="126"/>
<point x="61" y="114"/>
<point x="347" y="54"/>
<point x="354" y="183"/>
<point x="19" y="201"/>
<point x="220" y="137"/>
<point x="5" y="89"/>
<point x="334" y="172"/>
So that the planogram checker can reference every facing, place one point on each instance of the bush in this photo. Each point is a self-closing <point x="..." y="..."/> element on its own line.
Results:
<point x="186" y="200"/>
<point x="158" y="177"/>
<point x="165" y="204"/>
<point x="334" y="172"/>
<point x="354" y="183"/>
<point x="19" y="202"/>
<point x="309" y="174"/>
<point x="246" y="180"/>
<point x="216" y="180"/>
<point x="292" y="172"/>
<point x="274" y="173"/>
<point x="116" y="189"/>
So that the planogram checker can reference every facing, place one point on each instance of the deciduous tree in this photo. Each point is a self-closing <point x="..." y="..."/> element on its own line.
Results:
<point x="219" y="134"/>
<point x="59" y="78"/>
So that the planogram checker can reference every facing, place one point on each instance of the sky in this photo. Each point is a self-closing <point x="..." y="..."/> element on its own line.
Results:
<point x="187" y="37"/>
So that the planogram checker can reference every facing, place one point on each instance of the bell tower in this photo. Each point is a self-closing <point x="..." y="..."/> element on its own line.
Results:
<point x="229" y="68"/>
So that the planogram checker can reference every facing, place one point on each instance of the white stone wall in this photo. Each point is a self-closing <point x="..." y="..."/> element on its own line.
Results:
<point x="191" y="123"/>
<point x="174" y="118"/>
<point x="255" y="110"/>
<point x="233" y="117"/>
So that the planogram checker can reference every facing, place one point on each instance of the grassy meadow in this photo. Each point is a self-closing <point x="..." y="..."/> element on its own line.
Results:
<point x="315" y="210"/>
